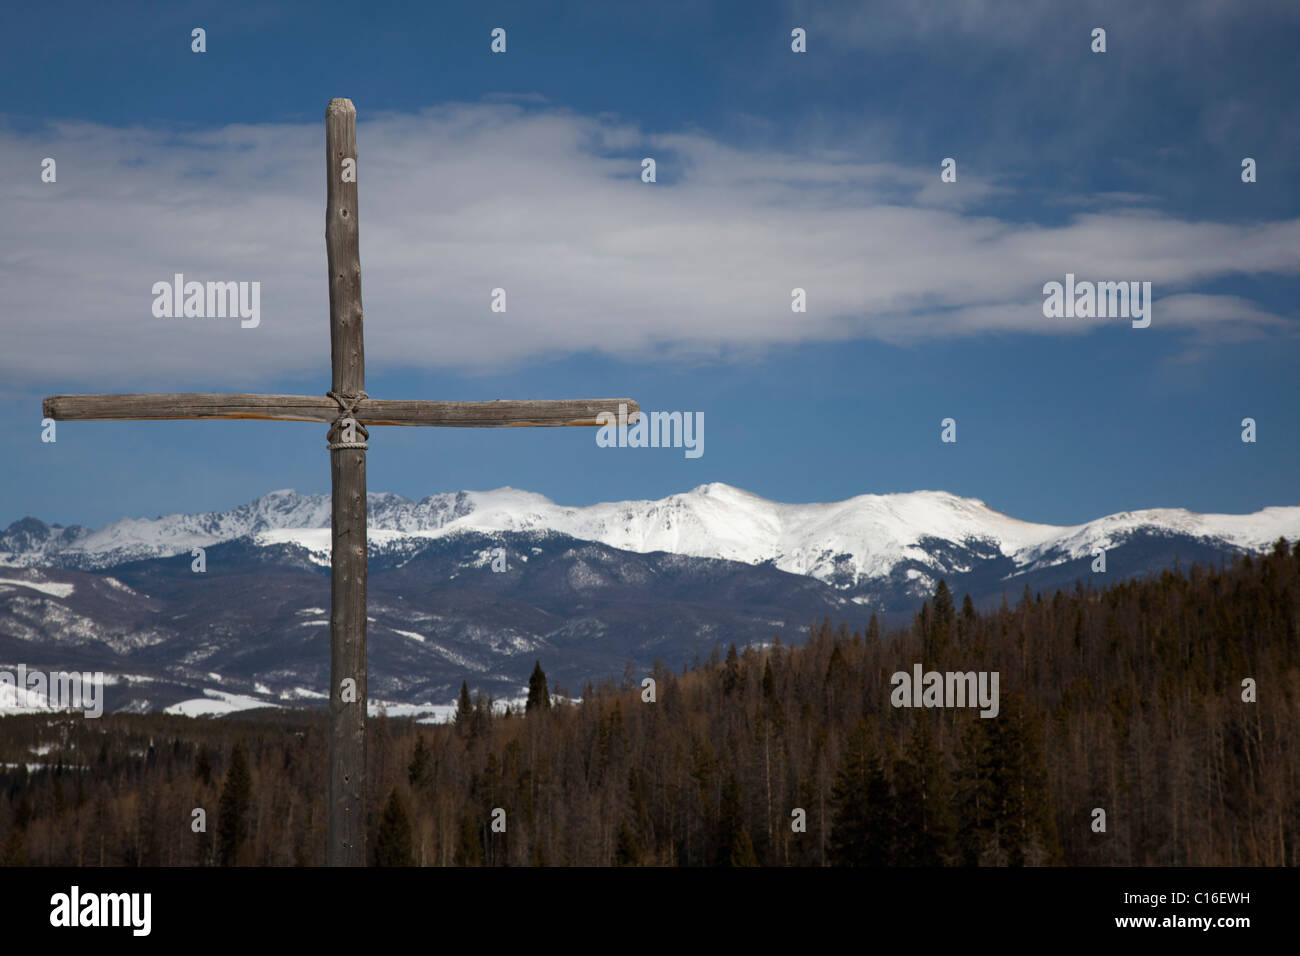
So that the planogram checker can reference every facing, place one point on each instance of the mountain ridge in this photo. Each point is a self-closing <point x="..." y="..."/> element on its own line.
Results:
<point x="844" y="543"/>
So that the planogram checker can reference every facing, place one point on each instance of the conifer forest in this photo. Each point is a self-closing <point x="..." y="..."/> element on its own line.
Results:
<point x="1127" y="700"/>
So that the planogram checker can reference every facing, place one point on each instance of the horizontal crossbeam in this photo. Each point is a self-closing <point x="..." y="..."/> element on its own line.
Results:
<point x="312" y="408"/>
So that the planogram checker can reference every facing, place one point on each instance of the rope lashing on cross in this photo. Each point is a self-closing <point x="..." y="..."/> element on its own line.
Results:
<point x="347" y="404"/>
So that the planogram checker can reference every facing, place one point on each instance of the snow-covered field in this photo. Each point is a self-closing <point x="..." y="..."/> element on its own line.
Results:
<point x="216" y="702"/>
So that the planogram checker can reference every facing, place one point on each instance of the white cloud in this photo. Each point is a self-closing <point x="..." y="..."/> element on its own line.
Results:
<point x="549" y="205"/>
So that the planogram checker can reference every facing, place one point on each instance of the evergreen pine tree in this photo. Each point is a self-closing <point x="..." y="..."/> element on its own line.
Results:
<point x="735" y="848"/>
<point x="966" y="622"/>
<point x="419" y="765"/>
<point x="1026" y="831"/>
<point x="939" y="625"/>
<point x="773" y="713"/>
<point x="464" y="709"/>
<point x="203" y="766"/>
<point x="943" y="606"/>
<point x="731" y="672"/>
<point x="469" y="849"/>
<point x="863" y="824"/>
<point x="923" y="796"/>
<point x="393" y="841"/>
<point x="975" y="793"/>
<point x="538" y="696"/>
<point x="233" y="809"/>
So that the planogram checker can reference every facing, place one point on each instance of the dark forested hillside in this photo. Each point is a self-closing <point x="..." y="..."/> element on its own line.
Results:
<point x="1127" y="700"/>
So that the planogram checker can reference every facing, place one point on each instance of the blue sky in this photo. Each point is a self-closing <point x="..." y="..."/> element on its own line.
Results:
<point x="775" y="170"/>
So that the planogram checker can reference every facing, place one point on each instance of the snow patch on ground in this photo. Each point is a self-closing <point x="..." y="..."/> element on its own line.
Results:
<point x="215" y="703"/>
<point x="303" y="693"/>
<point x="132" y="679"/>
<point x="430" y="712"/>
<point x="53" y="589"/>
<point x="20" y="700"/>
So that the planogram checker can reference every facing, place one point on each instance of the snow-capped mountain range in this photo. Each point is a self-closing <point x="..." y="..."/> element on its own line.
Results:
<point x="587" y="591"/>
<point x="845" y="543"/>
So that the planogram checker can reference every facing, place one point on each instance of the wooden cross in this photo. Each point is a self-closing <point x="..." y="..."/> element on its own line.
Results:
<point x="347" y="410"/>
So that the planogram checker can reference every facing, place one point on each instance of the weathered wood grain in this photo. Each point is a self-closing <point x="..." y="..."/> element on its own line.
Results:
<point x="505" y="413"/>
<point x="347" y="750"/>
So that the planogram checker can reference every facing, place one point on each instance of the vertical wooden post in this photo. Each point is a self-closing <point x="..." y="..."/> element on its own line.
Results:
<point x="347" y="751"/>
